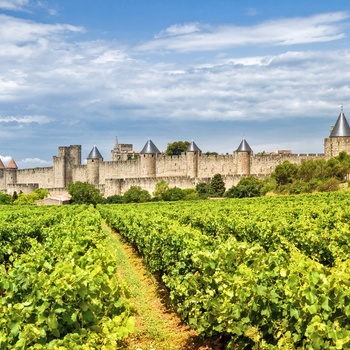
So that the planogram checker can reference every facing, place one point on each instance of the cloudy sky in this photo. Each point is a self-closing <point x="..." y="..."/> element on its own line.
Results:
<point x="84" y="71"/>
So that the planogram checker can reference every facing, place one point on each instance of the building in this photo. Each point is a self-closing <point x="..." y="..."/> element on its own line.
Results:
<point x="128" y="167"/>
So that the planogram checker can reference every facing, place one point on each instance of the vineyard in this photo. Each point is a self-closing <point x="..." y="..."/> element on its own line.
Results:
<point x="261" y="273"/>
<point x="58" y="282"/>
<point x="264" y="273"/>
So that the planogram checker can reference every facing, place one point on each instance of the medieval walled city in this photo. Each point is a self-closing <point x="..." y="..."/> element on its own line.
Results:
<point x="128" y="167"/>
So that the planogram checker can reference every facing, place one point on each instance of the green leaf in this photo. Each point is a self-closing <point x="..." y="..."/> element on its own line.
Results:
<point x="52" y="321"/>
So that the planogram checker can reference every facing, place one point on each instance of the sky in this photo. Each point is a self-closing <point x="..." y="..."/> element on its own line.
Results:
<point x="214" y="71"/>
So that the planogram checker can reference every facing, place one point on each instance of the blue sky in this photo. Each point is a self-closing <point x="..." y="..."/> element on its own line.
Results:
<point x="215" y="71"/>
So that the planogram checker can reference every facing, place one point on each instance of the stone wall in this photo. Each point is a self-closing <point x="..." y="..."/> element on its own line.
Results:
<point x="119" y="169"/>
<point x="208" y="166"/>
<point x="171" y="165"/>
<point x="44" y="177"/>
<point x="266" y="163"/>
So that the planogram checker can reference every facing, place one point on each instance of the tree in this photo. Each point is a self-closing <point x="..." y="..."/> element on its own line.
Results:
<point x="174" y="194"/>
<point x="5" y="198"/>
<point x="190" y="194"/>
<point x="115" y="199"/>
<point x="135" y="194"/>
<point x="285" y="173"/>
<point x="203" y="190"/>
<point x="176" y="148"/>
<point x="160" y="188"/>
<point x="42" y="193"/>
<point x="84" y="193"/>
<point x="217" y="186"/>
<point x="31" y="198"/>
<point x="249" y="186"/>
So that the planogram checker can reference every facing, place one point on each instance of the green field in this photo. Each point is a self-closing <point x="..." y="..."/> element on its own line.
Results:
<point x="261" y="273"/>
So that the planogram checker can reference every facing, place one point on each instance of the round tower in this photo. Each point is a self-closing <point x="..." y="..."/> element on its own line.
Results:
<point x="192" y="156"/>
<point x="93" y="166"/>
<point x="149" y="159"/>
<point x="11" y="173"/>
<point x="339" y="138"/>
<point x="242" y="158"/>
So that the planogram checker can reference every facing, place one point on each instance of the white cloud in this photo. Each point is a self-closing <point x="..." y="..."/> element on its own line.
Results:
<point x="19" y="31"/>
<point x="5" y="159"/>
<point x="26" y="119"/>
<point x="179" y="29"/>
<point x="289" y="31"/>
<point x="36" y="161"/>
<point x="13" y="5"/>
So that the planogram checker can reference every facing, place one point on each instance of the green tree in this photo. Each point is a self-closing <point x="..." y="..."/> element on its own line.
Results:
<point x="31" y="198"/>
<point x="5" y="198"/>
<point x="285" y="173"/>
<point x="202" y="189"/>
<point x="337" y="169"/>
<point x="249" y="186"/>
<point x="42" y="193"/>
<point x="115" y="199"/>
<point x="176" y="148"/>
<point x="190" y="194"/>
<point x="160" y="188"/>
<point x="14" y="196"/>
<point x="174" y="194"/>
<point x="84" y="193"/>
<point x="217" y="186"/>
<point x="135" y="194"/>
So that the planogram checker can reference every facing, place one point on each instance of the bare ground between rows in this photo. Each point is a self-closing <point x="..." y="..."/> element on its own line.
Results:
<point x="157" y="326"/>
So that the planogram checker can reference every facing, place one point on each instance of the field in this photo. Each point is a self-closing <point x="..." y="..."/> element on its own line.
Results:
<point x="260" y="273"/>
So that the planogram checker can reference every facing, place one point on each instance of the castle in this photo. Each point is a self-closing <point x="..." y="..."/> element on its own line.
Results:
<point x="146" y="168"/>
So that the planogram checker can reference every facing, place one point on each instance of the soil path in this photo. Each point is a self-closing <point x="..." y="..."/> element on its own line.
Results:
<point x="157" y="327"/>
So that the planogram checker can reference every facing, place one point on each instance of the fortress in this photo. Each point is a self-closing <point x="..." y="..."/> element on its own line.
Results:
<point x="146" y="168"/>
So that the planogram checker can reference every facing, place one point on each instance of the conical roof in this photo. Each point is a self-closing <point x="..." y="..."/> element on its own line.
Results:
<point x="2" y="166"/>
<point x="244" y="147"/>
<point x="341" y="127"/>
<point x="150" y="148"/>
<point x="12" y="165"/>
<point x="193" y="147"/>
<point x="94" y="154"/>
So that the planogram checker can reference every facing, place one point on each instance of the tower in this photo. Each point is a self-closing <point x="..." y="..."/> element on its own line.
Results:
<point x="149" y="159"/>
<point x="63" y="164"/>
<point x="242" y="158"/>
<point x="192" y="156"/>
<point x="339" y="138"/>
<point x="93" y="166"/>
<point x="11" y="173"/>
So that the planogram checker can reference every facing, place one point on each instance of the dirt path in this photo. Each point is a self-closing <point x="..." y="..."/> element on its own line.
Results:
<point x="157" y="327"/>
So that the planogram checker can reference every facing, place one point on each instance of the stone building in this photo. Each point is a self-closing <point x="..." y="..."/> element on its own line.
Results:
<point x="128" y="167"/>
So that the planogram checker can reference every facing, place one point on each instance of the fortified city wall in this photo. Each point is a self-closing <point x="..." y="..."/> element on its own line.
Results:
<point x="146" y="168"/>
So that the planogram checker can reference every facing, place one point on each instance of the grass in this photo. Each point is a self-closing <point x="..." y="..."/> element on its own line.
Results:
<point x="157" y="327"/>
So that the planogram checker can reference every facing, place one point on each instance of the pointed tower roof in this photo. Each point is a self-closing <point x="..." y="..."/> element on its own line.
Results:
<point x="341" y="127"/>
<point x="150" y="148"/>
<point x="2" y="166"/>
<point x="94" y="154"/>
<point x="244" y="147"/>
<point x="12" y="165"/>
<point x="193" y="147"/>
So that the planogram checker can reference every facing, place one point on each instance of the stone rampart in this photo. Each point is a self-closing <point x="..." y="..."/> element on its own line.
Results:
<point x="171" y="165"/>
<point x="24" y="188"/>
<point x="208" y="166"/>
<point x="119" y="169"/>
<point x="264" y="164"/>
<point x="44" y="177"/>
